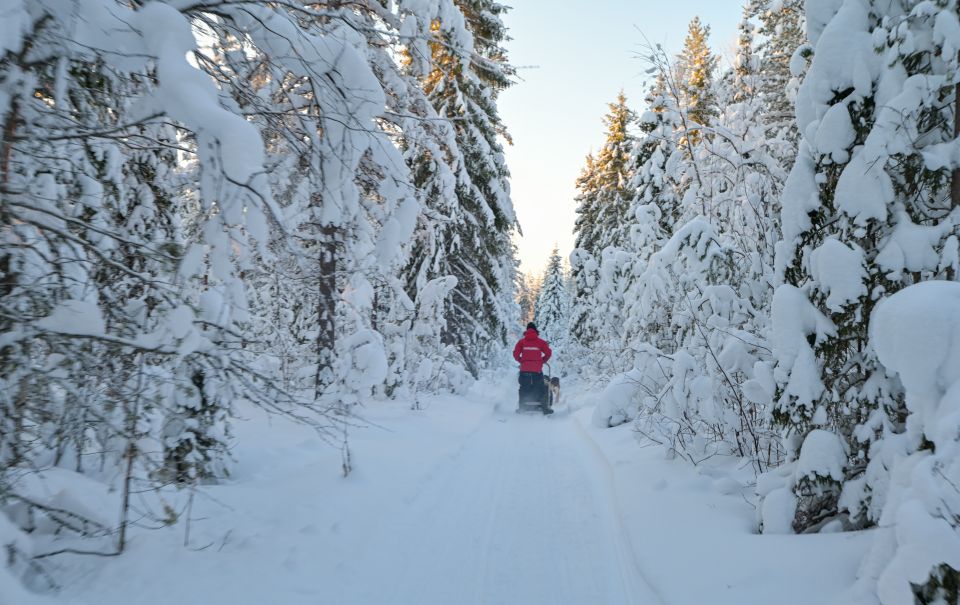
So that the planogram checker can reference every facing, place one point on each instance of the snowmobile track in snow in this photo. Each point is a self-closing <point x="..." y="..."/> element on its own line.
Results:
<point x="521" y="513"/>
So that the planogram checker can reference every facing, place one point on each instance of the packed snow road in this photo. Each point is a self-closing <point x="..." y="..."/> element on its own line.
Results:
<point x="518" y="515"/>
<point x="458" y="504"/>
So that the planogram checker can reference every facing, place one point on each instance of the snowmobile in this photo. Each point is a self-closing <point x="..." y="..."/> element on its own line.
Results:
<point x="540" y="398"/>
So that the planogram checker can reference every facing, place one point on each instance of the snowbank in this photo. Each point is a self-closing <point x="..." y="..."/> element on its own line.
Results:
<point x="693" y="531"/>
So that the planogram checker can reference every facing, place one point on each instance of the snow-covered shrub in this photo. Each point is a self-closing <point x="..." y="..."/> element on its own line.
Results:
<point x="420" y="361"/>
<point x="690" y="283"/>
<point x="618" y="403"/>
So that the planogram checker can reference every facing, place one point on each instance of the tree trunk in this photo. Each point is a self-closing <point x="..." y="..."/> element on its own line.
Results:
<point x="955" y="177"/>
<point x="130" y="455"/>
<point x="6" y="145"/>
<point x="327" y="309"/>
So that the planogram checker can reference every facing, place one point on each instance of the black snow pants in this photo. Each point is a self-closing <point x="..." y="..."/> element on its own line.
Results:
<point x="532" y="388"/>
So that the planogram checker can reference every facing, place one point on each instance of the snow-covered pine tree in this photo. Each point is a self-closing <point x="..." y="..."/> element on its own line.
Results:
<point x="867" y="210"/>
<point x="552" y="310"/>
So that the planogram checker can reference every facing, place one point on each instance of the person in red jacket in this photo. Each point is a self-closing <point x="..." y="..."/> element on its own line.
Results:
<point x="532" y="352"/>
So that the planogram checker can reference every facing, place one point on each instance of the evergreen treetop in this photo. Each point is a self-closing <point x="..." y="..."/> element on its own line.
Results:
<point x="696" y="65"/>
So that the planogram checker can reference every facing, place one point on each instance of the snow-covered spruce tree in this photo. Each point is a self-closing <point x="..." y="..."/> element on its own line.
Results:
<point x="583" y="283"/>
<point x="420" y="359"/>
<point x="425" y="342"/>
<point x="430" y="151"/>
<point x="603" y="186"/>
<point x="528" y="287"/>
<point x="654" y="212"/>
<point x="552" y="310"/>
<point x="914" y="556"/>
<point x="867" y="210"/>
<point x="780" y="52"/>
<point x="602" y="203"/>
<point x="472" y="241"/>
<point x="695" y="68"/>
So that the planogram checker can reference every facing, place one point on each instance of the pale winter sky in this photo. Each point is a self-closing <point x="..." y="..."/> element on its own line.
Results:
<point x="575" y="57"/>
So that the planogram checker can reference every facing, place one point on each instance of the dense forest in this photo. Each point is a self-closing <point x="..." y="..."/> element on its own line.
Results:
<point x="737" y="233"/>
<point x="297" y="205"/>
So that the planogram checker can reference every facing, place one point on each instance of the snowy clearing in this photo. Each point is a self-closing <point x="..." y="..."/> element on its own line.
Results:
<point x="483" y="506"/>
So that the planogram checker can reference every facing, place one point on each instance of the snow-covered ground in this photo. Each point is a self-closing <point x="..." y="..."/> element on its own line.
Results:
<point x="467" y="502"/>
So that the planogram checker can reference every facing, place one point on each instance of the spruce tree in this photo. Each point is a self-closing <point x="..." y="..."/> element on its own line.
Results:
<point x="781" y="32"/>
<point x="654" y="211"/>
<point x="865" y="213"/>
<point x="474" y="244"/>
<point x="528" y="288"/>
<point x="604" y="185"/>
<point x="696" y="65"/>
<point x="552" y="306"/>
<point x="603" y="200"/>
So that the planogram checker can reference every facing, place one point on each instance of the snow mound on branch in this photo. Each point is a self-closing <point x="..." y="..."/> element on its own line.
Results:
<point x="76" y="317"/>
<point x="845" y="57"/>
<point x="916" y="333"/>
<point x="835" y="134"/>
<point x="823" y="454"/>
<point x="818" y="14"/>
<point x="864" y="190"/>
<point x="368" y="360"/>
<point x="800" y="197"/>
<point x="840" y="271"/>
<point x="911" y="247"/>
<point x="794" y="318"/>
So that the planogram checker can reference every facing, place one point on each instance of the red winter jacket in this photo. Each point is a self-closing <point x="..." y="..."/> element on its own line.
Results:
<point x="532" y="352"/>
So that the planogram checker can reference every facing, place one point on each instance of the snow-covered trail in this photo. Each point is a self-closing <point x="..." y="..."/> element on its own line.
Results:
<point x="459" y="504"/>
<point x="464" y="504"/>
<point x="518" y="515"/>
